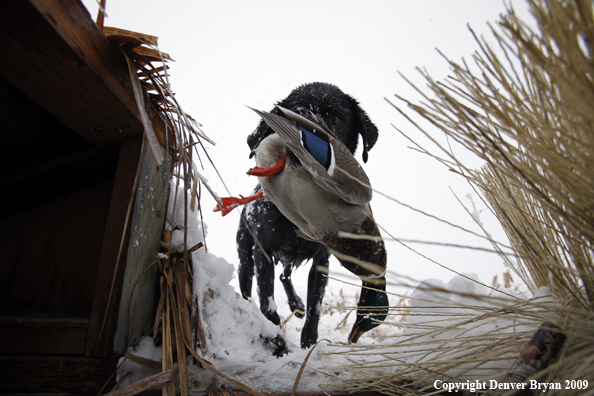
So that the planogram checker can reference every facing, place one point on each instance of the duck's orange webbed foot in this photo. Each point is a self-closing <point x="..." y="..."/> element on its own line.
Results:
<point x="230" y="203"/>
<point x="270" y="171"/>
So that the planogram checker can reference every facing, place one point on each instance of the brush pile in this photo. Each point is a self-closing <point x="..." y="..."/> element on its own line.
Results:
<point x="527" y="109"/>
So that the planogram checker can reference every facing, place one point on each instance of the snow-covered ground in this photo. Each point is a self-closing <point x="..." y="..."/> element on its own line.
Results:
<point x="236" y="331"/>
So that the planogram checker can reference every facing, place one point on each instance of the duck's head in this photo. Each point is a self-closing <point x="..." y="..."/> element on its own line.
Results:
<point x="371" y="309"/>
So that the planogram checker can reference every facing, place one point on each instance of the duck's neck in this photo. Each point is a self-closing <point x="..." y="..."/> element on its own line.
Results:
<point x="378" y="284"/>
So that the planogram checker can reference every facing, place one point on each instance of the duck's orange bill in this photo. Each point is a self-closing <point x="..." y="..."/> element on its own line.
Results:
<point x="230" y="203"/>
<point x="270" y="171"/>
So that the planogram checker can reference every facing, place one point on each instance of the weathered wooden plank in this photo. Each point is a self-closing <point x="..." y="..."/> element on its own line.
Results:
<point x="104" y="315"/>
<point x="53" y="374"/>
<point x="50" y="255"/>
<point x="43" y="335"/>
<point x="144" y="362"/>
<point x="39" y="177"/>
<point x="146" y="383"/>
<point x="54" y="53"/>
<point x="139" y="288"/>
<point x="25" y="124"/>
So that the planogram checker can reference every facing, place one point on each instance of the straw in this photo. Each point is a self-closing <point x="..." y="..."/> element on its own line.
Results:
<point x="526" y="108"/>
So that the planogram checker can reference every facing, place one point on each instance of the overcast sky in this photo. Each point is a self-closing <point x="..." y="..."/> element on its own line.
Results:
<point x="230" y="54"/>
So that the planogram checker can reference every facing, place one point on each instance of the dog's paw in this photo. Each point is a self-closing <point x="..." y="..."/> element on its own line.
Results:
<point x="273" y="317"/>
<point x="309" y="337"/>
<point x="297" y="307"/>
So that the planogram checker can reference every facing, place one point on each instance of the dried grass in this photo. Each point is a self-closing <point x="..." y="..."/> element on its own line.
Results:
<point x="527" y="109"/>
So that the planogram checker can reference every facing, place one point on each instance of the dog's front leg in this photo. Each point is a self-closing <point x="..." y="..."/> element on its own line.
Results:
<point x="245" y="246"/>
<point x="265" y="282"/>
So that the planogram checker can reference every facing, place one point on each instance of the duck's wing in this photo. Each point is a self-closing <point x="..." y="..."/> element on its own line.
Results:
<point x="341" y="165"/>
<point x="346" y="176"/>
<point x="292" y="136"/>
<point x="331" y="164"/>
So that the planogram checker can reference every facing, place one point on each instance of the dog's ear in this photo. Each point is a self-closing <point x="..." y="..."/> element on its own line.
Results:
<point x="366" y="129"/>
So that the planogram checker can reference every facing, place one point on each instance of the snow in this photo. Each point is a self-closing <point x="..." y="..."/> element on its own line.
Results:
<point x="237" y="332"/>
<point x="476" y="214"/>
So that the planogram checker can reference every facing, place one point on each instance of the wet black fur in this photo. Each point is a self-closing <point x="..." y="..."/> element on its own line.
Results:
<point x="274" y="232"/>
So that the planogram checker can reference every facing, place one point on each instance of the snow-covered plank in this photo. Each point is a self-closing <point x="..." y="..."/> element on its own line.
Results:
<point x="139" y="288"/>
<point x="112" y="262"/>
<point x="132" y="239"/>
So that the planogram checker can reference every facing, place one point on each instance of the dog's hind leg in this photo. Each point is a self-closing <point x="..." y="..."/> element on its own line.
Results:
<point x="316" y="287"/>
<point x="295" y="302"/>
<point x="265" y="282"/>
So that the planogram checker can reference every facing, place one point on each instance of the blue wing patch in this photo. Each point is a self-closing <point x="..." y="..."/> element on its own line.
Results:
<point x="318" y="147"/>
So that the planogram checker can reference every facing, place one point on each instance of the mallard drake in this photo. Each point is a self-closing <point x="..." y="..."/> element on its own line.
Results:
<point x="323" y="190"/>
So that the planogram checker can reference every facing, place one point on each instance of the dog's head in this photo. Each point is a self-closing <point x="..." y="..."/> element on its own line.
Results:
<point x="340" y="111"/>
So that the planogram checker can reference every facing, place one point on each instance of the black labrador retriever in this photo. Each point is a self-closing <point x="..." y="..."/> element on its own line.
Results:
<point x="265" y="236"/>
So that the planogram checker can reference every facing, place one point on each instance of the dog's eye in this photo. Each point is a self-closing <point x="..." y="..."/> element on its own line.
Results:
<point x="335" y="120"/>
